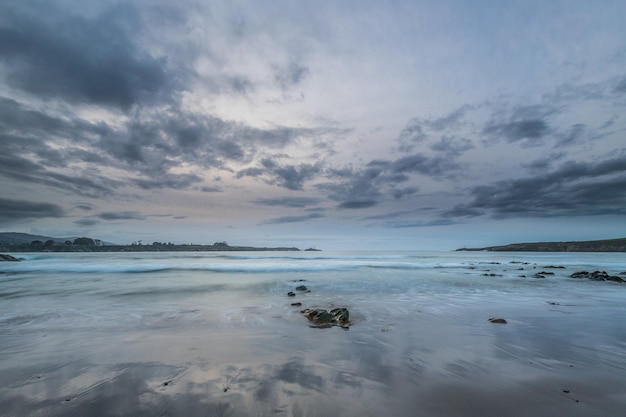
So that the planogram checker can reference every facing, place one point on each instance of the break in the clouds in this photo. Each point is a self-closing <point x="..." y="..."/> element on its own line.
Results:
<point x="274" y="121"/>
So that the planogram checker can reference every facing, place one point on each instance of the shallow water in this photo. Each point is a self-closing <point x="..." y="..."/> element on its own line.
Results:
<point x="200" y="334"/>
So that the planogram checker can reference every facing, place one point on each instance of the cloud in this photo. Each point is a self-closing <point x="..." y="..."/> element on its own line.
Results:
<point x="87" y="221"/>
<point x="14" y="210"/>
<point x="452" y="146"/>
<point x="527" y="125"/>
<point x="294" y="202"/>
<point x="357" y="204"/>
<point x="121" y="215"/>
<point x="291" y="177"/>
<point x="574" y="189"/>
<point x="294" y="219"/>
<point x="291" y="75"/>
<point x="88" y="60"/>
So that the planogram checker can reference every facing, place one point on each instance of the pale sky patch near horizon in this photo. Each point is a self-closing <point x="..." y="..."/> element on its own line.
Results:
<point x="339" y="125"/>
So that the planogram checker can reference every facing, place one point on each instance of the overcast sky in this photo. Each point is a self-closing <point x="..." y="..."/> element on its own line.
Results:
<point x="334" y="124"/>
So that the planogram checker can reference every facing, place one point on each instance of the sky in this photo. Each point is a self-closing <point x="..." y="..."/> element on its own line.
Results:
<point x="329" y="124"/>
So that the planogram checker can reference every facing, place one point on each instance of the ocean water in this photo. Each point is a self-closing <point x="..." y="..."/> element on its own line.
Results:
<point x="215" y="333"/>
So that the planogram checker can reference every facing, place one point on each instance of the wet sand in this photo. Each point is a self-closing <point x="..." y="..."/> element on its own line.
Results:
<point x="548" y="360"/>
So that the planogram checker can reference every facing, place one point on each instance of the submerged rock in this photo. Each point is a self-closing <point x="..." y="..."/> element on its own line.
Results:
<point x="8" y="258"/>
<point x="322" y="318"/>
<point x="302" y="288"/>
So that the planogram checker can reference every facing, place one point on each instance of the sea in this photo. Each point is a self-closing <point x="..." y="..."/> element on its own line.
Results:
<point x="218" y="334"/>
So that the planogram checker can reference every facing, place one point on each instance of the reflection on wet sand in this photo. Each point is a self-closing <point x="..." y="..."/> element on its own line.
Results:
<point x="430" y="367"/>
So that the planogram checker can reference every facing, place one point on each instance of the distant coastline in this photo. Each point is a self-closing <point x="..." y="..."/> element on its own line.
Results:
<point x="23" y="242"/>
<point x="608" y="245"/>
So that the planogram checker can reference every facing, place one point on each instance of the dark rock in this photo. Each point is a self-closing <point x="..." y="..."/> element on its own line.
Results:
<point x="322" y="318"/>
<point x="538" y="275"/>
<point x="8" y="258"/>
<point x="497" y="320"/>
<point x="554" y="267"/>
<point x="597" y="276"/>
<point x="301" y="288"/>
<point x="296" y="304"/>
<point x="291" y="294"/>
<point x="546" y="273"/>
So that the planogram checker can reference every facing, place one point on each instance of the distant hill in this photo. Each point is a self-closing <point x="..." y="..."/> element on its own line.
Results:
<point x="15" y="238"/>
<point x="608" y="245"/>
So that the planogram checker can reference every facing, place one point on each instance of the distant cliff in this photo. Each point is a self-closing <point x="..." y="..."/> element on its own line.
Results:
<point x="609" y="245"/>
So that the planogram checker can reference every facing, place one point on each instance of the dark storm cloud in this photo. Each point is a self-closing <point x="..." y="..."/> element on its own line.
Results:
<point x="121" y="215"/>
<point x="435" y="167"/>
<point x="574" y="189"/>
<point x="291" y="177"/>
<point x="53" y="54"/>
<point x="357" y="204"/>
<point x="294" y="202"/>
<point x="527" y="125"/>
<point x="87" y="221"/>
<point x="379" y="180"/>
<point x="14" y="210"/>
<point x="452" y="146"/>
<point x="294" y="219"/>
<point x="19" y="169"/>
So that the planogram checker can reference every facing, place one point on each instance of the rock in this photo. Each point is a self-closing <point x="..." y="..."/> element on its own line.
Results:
<point x="291" y="294"/>
<point x="546" y="273"/>
<point x="322" y="318"/>
<point x="597" y="276"/>
<point x="538" y="275"/>
<point x="296" y="304"/>
<point x="497" y="320"/>
<point x="301" y="288"/>
<point x="8" y="258"/>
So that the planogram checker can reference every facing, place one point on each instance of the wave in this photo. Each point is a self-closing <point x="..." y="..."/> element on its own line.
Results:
<point x="219" y="267"/>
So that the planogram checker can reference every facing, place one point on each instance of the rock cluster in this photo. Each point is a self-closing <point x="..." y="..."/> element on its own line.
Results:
<point x="597" y="276"/>
<point x="322" y="318"/>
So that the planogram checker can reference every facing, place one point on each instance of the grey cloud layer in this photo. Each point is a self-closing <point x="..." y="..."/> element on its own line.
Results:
<point x="77" y="59"/>
<point x="95" y="103"/>
<point x="13" y="210"/>
<point x="574" y="189"/>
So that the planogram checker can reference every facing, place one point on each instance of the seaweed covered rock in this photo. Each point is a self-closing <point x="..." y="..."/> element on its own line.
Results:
<point x="322" y="318"/>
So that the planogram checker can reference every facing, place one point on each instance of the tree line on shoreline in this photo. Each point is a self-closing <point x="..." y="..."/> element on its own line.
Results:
<point x="86" y="244"/>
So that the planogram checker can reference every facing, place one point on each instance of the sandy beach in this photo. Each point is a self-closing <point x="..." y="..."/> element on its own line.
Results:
<point x="432" y="367"/>
<point x="427" y="351"/>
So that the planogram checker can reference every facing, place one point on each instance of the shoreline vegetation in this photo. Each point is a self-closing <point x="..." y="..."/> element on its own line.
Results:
<point x="607" y="245"/>
<point x="23" y="242"/>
